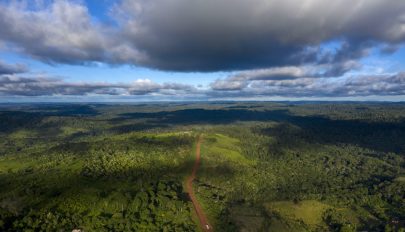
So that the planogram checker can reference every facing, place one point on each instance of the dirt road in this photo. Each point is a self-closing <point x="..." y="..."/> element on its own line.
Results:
<point x="205" y="226"/>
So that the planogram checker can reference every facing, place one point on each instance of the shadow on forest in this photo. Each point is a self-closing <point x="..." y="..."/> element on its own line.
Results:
<point x="313" y="129"/>
<point x="122" y="129"/>
<point x="205" y="116"/>
<point x="32" y="118"/>
<point x="43" y="187"/>
<point x="69" y="110"/>
<point x="379" y="136"/>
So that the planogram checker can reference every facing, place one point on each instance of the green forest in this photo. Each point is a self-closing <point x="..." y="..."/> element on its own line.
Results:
<point x="265" y="166"/>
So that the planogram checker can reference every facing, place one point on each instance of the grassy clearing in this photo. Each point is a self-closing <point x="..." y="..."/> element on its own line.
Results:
<point x="247" y="218"/>
<point x="310" y="215"/>
<point x="308" y="211"/>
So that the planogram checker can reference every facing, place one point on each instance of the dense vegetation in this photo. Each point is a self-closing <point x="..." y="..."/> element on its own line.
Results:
<point x="265" y="166"/>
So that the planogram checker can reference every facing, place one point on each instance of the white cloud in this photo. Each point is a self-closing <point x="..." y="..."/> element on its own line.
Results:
<point x="63" y="32"/>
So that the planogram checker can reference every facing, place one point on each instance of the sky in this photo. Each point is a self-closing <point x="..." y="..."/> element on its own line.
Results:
<point x="201" y="50"/>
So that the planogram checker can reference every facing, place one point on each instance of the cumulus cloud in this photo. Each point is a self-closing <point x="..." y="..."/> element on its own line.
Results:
<point x="12" y="85"/>
<point x="237" y="34"/>
<point x="241" y="80"/>
<point x="228" y="85"/>
<point x="12" y="69"/>
<point x="146" y="86"/>
<point x="352" y="86"/>
<point x="62" y="32"/>
<point x="209" y="35"/>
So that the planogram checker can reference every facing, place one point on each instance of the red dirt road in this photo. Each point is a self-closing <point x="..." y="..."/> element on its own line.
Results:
<point x="204" y="224"/>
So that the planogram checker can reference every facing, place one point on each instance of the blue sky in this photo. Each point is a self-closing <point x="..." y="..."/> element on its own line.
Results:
<point x="206" y="50"/>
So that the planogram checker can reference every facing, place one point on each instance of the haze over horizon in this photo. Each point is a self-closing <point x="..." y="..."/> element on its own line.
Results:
<point x="182" y="50"/>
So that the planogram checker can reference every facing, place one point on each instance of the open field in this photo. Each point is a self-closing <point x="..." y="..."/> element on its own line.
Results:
<point x="264" y="166"/>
